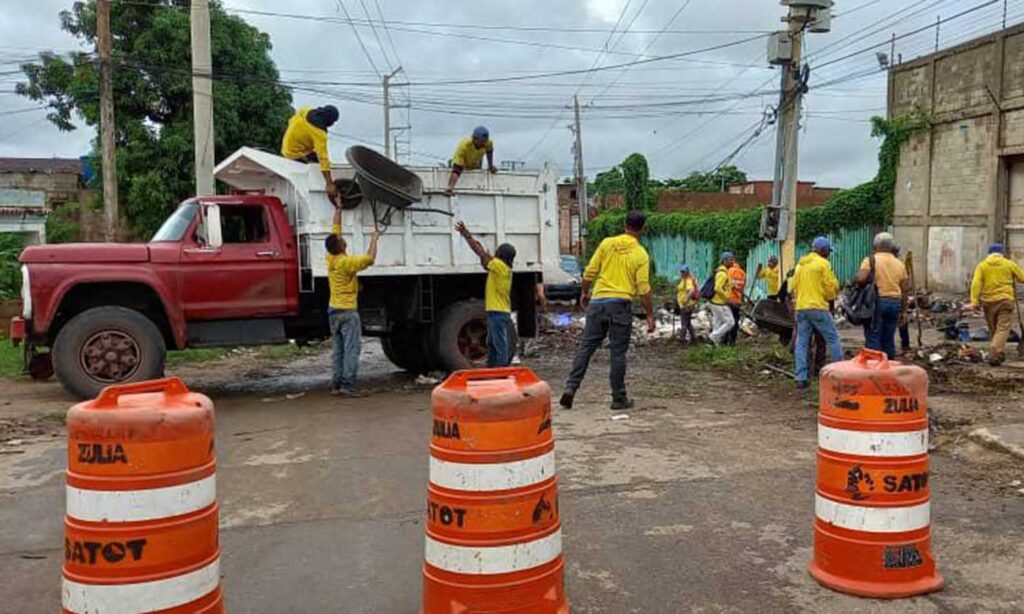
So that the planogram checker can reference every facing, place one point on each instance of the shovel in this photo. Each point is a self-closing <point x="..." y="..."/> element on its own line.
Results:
<point x="1020" y="322"/>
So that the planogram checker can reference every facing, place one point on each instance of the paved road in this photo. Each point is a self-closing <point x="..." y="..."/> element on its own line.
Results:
<point x="700" y="501"/>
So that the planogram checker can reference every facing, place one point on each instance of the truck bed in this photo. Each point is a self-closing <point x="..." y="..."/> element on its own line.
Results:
<point x="518" y="208"/>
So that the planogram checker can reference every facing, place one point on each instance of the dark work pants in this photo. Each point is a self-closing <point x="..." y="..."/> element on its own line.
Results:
<point x="733" y="334"/>
<point x="613" y="320"/>
<point x="686" y="325"/>
<point x="880" y="333"/>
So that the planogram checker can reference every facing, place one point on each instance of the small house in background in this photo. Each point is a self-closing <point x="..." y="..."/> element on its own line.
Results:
<point x="807" y="192"/>
<point x="30" y="188"/>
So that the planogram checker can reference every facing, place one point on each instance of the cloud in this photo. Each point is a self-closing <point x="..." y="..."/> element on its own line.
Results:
<point x="642" y="108"/>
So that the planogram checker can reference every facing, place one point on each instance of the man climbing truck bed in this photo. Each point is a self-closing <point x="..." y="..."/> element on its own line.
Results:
<point x="250" y="269"/>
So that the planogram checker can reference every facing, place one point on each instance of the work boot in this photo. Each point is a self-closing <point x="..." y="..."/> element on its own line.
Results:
<point x="622" y="404"/>
<point x="567" y="399"/>
<point x="996" y="358"/>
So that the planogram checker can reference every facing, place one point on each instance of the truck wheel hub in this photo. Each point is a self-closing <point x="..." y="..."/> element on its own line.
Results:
<point x="472" y="340"/>
<point x="110" y="356"/>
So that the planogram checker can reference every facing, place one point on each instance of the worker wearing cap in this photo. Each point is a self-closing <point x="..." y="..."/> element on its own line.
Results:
<point x="814" y="286"/>
<point x="305" y="140"/>
<point x="619" y="271"/>
<point x="722" y="319"/>
<point x="771" y="276"/>
<point x="469" y="156"/>
<point x="892" y="282"/>
<point x="994" y="291"/>
<point x="687" y="297"/>
<point x="497" y="297"/>
<point x="739" y="283"/>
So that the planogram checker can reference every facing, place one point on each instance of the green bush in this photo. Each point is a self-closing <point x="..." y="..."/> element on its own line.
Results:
<point x="62" y="225"/>
<point x="10" y="271"/>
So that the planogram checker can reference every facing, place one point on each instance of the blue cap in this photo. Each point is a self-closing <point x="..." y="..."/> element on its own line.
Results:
<point x="820" y="243"/>
<point x="481" y="132"/>
<point x="996" y="248"/>
<point x="684" y="268"/>
<point x="727" y="255"/>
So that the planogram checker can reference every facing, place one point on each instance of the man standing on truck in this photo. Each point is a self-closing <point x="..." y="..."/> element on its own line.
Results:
<point x="497" y="297"/>
<point x="305" y="140"/>
<point x="343" y="309"/>
<point x="469" y="155"/>
<point x="619" y="271"/>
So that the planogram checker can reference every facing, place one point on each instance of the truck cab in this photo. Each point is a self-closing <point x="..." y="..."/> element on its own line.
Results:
<point x="248" y="269"/>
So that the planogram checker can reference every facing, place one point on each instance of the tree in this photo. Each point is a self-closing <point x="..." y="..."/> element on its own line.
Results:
<point x="635" y="175"/>
<point x="607" y="182"/>
<point x="716" y="181"/>
<point x="153" y="96"/>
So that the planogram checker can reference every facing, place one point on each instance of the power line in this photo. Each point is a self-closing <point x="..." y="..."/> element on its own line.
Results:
<point x="373" y="28"/>
<point x="355" y="30"/>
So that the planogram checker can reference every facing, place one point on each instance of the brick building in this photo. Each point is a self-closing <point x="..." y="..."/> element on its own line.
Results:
<point x="807" y="192"/>
<point x="62" y="180"/>
<point x="749" y="195"/>
<point x="569" y="219"/>
<point x="960" y="184"/>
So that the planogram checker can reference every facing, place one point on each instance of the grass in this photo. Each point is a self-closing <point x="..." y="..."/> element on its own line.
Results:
<point x="10" y="359"/>
<point x="746" y="356"/>
<point x="183" y="357"/>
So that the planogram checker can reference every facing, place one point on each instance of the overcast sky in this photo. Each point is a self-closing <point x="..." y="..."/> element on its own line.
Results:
<point x="684" y="114"/>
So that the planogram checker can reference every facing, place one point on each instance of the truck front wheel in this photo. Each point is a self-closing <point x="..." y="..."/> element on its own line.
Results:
<point x="460" y="336"/>
<point x="406" y="347"/>
<point x="107" y="345"/>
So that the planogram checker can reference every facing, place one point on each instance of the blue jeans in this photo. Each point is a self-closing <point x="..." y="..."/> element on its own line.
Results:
<point x="809" y="320"/>
<point x="880" y="333"/>
<point x="499" y="352"/>
<point x="347" y="335"/>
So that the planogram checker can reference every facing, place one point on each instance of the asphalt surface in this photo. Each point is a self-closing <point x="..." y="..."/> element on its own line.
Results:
<point x="700" y="501"/>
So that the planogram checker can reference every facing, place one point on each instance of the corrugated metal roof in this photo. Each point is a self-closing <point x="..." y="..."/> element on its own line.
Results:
<point x="41" y="165"/>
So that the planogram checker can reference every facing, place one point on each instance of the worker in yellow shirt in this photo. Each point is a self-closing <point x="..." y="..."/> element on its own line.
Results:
<point x="618" y="271"/>
<point x="813" y="287"/>
<point x="497" y="297"/>
<point x="687" y="297"/>
<point x="771" y="275"/>
<point x="343" y="310"/>
<point x="994" y="291"/>
<point x="722" y="320"/>
<point x="469" y="156"/>
<point x="305" y="140"/>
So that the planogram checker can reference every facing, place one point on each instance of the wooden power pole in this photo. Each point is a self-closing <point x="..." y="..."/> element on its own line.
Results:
<point x="202" y="97"/>
<point x="107" y="129"/>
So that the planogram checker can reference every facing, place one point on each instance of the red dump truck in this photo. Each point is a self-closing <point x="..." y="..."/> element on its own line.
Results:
<point x="248" y="269"/>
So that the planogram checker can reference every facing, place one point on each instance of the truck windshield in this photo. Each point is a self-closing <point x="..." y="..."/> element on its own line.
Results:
<point x="176" y="225"/>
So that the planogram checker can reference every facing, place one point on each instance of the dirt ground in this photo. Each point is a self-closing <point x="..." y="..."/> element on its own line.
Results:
<point x="701" y="500"/>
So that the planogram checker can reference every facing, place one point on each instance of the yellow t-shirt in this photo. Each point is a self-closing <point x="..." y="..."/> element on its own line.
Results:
<point x="468" y="156"/>
<point x="684" y="292"/>
<point x="499" y="286"/>
<point x="303" y="138"/>
<point x="814" y="283"/>
<point x="723" y="286"/>
<point x="341" y="276"/>
<point x="770" y="275"/>
<point x="621" y="267"/>
<point x="994" y="278"/>
<point x="889" y="274"/>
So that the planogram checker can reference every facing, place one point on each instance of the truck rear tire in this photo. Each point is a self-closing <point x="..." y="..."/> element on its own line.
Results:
<point x="107" y="345"/>
<point x="406" y="348"/>
<point x="460" y="337"/>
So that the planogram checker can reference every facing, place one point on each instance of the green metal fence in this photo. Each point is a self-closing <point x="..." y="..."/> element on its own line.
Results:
<point x="849" y="248"/>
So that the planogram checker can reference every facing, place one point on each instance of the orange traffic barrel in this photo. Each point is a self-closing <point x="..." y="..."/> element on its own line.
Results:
<point x="140" y="534"/>
<point x="872" y="528"/>
<point x="493" y="534"/>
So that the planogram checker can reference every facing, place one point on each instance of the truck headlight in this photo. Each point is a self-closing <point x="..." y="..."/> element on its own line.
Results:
<point x="26" y="294"/>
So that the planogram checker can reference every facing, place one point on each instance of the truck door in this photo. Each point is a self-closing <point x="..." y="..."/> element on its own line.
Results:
<point x="244" y="277"/>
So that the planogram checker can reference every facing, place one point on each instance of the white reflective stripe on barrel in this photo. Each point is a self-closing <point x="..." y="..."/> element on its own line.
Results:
<point x="872" y="443"/>
<point x="139" y="505"/>
<point x="492" y="476"/>
<point x="141" y="596"/>
<point x="872" y="519"/>
<point x="494" y="559"/>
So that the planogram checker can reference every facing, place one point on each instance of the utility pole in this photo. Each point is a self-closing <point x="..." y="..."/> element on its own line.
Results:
<point x="107" y="128"/>
<point x="388" y="152"/>
<point x="202" y="97"/>
<point x="581" y="176"/>
<point x="786" y="51"/>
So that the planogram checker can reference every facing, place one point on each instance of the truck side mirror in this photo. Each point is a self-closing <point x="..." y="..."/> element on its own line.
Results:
<point x="211" y="220"/>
